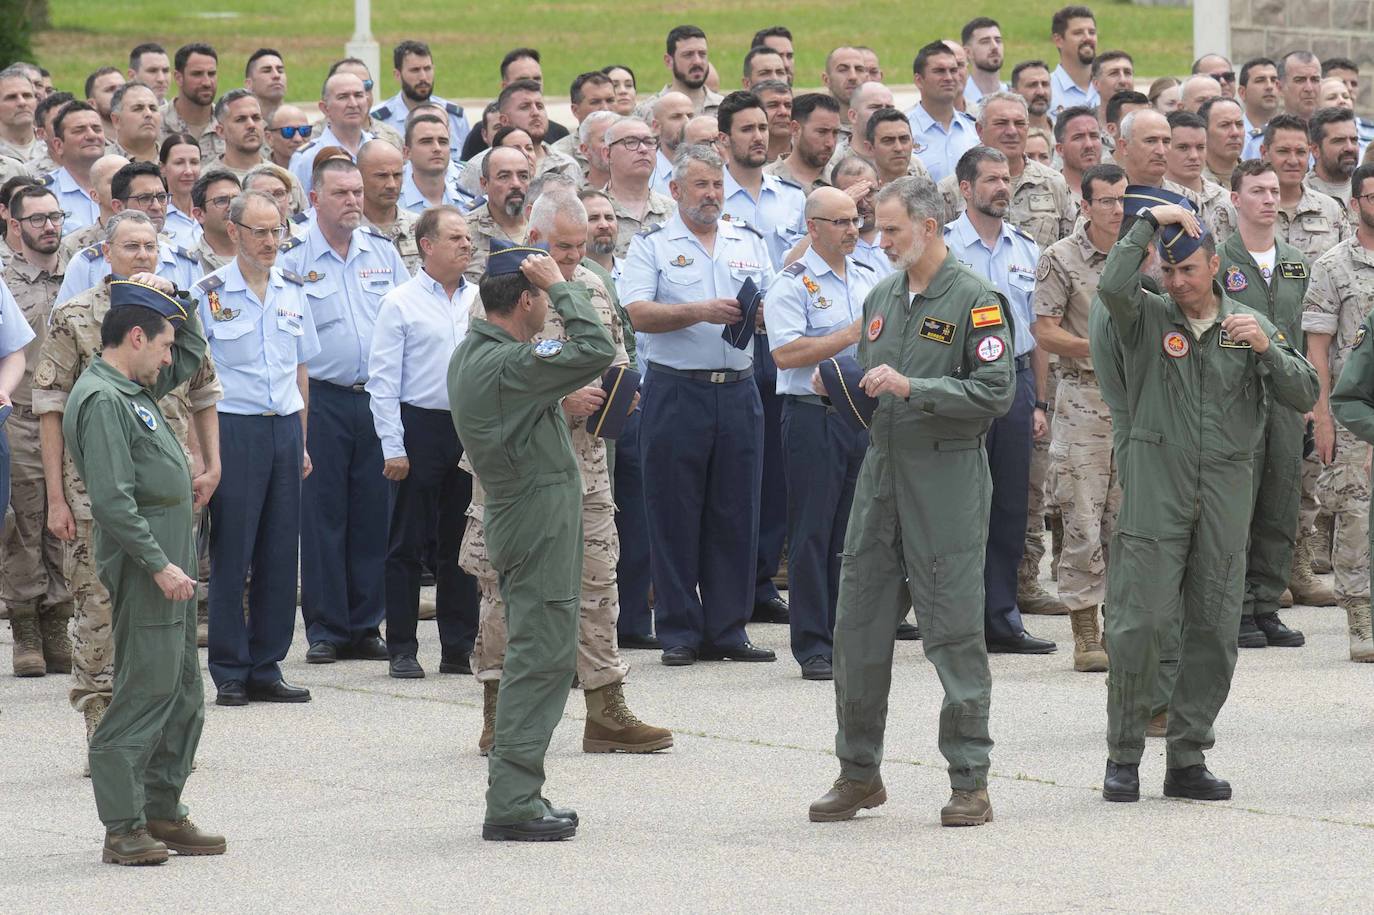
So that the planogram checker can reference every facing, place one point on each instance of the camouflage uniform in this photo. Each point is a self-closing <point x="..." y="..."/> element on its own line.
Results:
<point x="31" y="154"/>
<point x="571" y="146"/>
<point x="1341" y="192"/>
<point x="484" y="228"/>
<point x="31" y="574"/>
<point x="402" y="234"/>
<point x="1337" y="299"/>
<point x="1084" y="472"/>
<point x="660" y="208"/>
<point x="211" y="143"/>
<point x="75" y="243"/>
<point x="208" y="260"/>
<point x="1041" y="205"/>
<point x="73" y="342"/>
<point x="1215" y="209"/>
<point x="599" y="662"/>
<point x="779" y="168"/>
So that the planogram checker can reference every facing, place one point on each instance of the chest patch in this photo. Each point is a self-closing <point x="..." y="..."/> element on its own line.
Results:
<point x="811" y="285"/>
<point x="937" y="330"/>
<point x="681" y="260"/>
<point x="875" y="328"/>
<point x="217" y="309"/>
<point x="547" y="349"/>
<point x="1176" y="344"/>
<point x="145" y="414"/>
<point x="1230" y="342"/>
<point x="990" y="349"/>
<point x="1235" y="280"/>
<point x="1291" y="271"/>
<point x="823" y="302"/>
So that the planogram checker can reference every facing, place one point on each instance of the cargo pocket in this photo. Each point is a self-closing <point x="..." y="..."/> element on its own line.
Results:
<point x="1222" y="590"/>
<point x="956" y="598"/>
<point x="1138" y="588"/>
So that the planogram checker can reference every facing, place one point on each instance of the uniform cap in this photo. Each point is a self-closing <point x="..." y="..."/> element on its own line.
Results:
<point x="1174" y="244"/>
<point x="840" y="375"/>
<point x="127" y="292"/>
<point x="505" y="257"/>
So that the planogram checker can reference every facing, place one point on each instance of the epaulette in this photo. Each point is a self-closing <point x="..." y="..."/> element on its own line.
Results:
<point x="456" y="110"/>
<point x="182" y="252"/>
<point x="1022" y="232"/>
<point x="290" y="243"/>
<point x="209" y="282"/>
<point x="646" y="232"/>
<point x="311" y="145"/>
<point x="862" y="266"/>
<point x="383" y="113"/>
<point x="796" y="268"/>
<point x="301" y="218"/>
<point x="790" y="183"/>
<point x="48" y="180"/>
<point x="740" y="223"/>
<point x="370" y="230"/>
<point x="293" y="277"/>
<point x="92" y="253"/>
<point x="964" y="114"/>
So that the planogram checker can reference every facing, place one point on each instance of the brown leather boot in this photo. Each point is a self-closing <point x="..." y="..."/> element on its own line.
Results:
<point x="489" y="690"/>
<point x="846" y="798"/>
<point x="1307" y="588"/>
<point x="28" y="642"/>
<point x="57" y="644"/>
<point x="967" y="808"/>
<point x="133" y="847"/>
<point x="1088" y="654"/>
<point x="613" y="728"/>
<point x="183" y="837"/>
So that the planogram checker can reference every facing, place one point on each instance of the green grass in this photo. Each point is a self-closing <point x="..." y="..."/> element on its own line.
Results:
<point x="469" y="38"/>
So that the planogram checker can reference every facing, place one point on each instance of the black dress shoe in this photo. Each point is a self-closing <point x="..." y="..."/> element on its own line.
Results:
<point x="405" y="667"/>
<point x="1025" y="643"/>
<point x="562" y="813"/>
<point x="370" y="648"/>
<point x="773" y="610"/>
<point x="1250" y="635"/>
<point x="817" y="668"/>
<point x="638" y="641"/>
<point x="1277" y="634"/>
<point x="451" y="665"/>
<point x="1197" y="783"/>
<point x="544" y="829"/>
<point x="231" y="692"/>
<point x="1122" y="782"/>
<point x="281" y="691"/>
<point x="679" y="657"/>
<point x="906" y="632"/>
<point x="742" y="652"/>
<point x="322" y="653"/>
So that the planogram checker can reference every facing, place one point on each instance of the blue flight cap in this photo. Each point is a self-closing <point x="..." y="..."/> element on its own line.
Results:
<point x="840" y="375"/>
<point x="127" y="292"/>
<point x="505" y="257"/>
<point x="1174" y="244"/>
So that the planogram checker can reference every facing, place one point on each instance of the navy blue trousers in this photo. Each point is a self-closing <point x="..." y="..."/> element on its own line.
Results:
<point x="429" y="505"/>
<point x="632" y="526"/>
<point x="1009" y="455"/>
<point x="773" y="488"/>
<point x="343" y="520"/>
<point x="255" y="522"/>
<point x="823" y="457"/>
<point x="702" y="453"/>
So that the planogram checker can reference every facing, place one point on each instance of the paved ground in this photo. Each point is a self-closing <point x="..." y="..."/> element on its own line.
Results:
<point x="370" y="799"/>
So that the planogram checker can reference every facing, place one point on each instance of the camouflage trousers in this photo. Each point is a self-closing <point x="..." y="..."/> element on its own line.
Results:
<point x="1343" y="490"/>
<point x="1086" y="488"/>
<point x="1308" y="506"/>
<point x="1042" y="490"/>
<point x="598" y="656"/>
<point x="31" y="557"/>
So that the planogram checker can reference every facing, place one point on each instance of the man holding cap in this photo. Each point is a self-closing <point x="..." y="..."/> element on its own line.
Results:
<point x="139" y="483"/>
<point x="1199" y="369"/>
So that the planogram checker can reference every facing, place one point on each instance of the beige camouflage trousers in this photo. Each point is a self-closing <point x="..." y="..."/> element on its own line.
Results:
<point x="1308" y="506"/>
<point x="1041" y="499"/>
<point x="31" y="557"/>
<point x="1086" y="488"/>
<point x="598" y="657"/>
<point x="1343" y="490"/>
<point x="92" y="639"/>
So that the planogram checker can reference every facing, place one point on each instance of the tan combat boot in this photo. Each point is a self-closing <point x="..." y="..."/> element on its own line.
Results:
<point x="28" y="642"/>
<point x="967" y="808"/>
<point x="57" y="644"/>
<point x="1357" y="617"/>
<point x="846" y="798"/>
<point x="1032" y="597"/>
<point x="1088" y="653"/>
<point x="1321" y="544"/>
<point x="489" y="690"/>
<point x="613" y="728"/>
<point x="1307" y="588"/>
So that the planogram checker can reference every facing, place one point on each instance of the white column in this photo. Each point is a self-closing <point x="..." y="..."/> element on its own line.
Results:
<point x="1212" y="28"/>
<point x="364" y="46"/>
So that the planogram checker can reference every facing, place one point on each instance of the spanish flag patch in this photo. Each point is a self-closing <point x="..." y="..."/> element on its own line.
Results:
<point x="987" y="316"/>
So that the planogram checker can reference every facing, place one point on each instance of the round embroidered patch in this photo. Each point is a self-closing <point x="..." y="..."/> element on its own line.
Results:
<point x="1176" y="344"/>
<point x="990" y="349"/>
<point x="875" y="327"/>
<point x="547" y="349"/>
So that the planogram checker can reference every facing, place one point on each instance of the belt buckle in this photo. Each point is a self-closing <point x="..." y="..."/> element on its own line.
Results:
<point x="717" y="378"/>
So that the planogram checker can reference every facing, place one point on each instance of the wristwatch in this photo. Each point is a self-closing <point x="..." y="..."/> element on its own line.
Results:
<point x="1042" y="405"/>
<point x="1149" y="217"/>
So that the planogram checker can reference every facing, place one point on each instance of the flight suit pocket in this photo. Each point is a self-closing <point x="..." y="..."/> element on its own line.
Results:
<point x="1139" y="586"/>
<point x="956" y="598"/>
<point x="1223" y="589"/>
<point x="151" y="660"/>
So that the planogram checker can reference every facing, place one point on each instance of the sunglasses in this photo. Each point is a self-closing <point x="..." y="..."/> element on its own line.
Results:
<point x="1225" y="76"/>
<point x="288" y="132"/>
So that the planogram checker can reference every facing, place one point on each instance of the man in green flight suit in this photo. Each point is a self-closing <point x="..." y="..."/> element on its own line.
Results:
<point x="141" y="501"/>
<point x="937" y="349"/>
<point x="505" y="394"/>
<point x="1200" y="369"/>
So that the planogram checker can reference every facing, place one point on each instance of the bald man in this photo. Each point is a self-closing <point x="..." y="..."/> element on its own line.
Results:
<point x="1197" y="89"/>
<point x="101" y="174"/>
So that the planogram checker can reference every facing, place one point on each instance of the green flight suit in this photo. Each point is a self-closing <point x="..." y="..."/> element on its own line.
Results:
<point x="1352" y="399"/>
<point x="140" y="488"/>
<point x="1278" y="485"/>
<point x="1198" y="409"/>
<point x="505" y="397"/>
<point x="919" y="526"/>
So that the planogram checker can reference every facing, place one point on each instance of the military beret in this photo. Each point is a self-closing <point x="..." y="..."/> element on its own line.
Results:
<point x="1174" y="243"/>
<point x="505" y="257"/>
<point x="840" y="375"/>
<point x="127" y="292"/>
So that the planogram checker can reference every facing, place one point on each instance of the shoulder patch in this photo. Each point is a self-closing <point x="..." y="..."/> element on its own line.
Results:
<point x="209" y="282"/>
<point x="547" y="349"/>
<point x="383" y="113"/>
<point x="293" y="277"/>
<point x="987" y="315"/>
<point x="796" y="268"/>
<point x="92" y="253"/>
<point x="455" y="110"/>
<point x="1042" y="270"/>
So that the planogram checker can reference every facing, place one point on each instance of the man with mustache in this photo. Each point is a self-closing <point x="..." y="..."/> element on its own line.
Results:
<point x="1074" y="29"/>
<point x="687" y="59"/>
<point x="413" y="68"/>
<point x="1335" y="152"/>
<point x="1030" y="79"/>
<point x="196" y="69"/>
<point x="506" y="175"/>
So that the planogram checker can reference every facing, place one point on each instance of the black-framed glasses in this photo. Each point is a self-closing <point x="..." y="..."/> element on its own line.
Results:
<point x="147" y="200"/>
<point x="260" y="234"/>
<point x="635" y="144"/>
<point x="851" y="221"/>
<point x="220" y="202"/>
<point x="292" y="130"/>
<point x="1225" y="76"/>
<point x="39" y="220"/>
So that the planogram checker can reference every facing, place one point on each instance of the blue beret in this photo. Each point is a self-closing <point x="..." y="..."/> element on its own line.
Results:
<point x="840" y="375"/>
<point x="127" y="292"/>
<point x="1174" y="244"/>
<point x="505" y="257"/>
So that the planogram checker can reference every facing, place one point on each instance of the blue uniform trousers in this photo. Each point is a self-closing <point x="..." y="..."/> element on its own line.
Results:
<point x="343" y="520"/>
<point x="702" y="450"/>
<point x="632" y="523"/>
<point x="255" y="520"/>
<point x="773" y="489"/>
<point x="1009" y="454"/>
<point x="434" y="482"/>
<point x="822" y="458"/>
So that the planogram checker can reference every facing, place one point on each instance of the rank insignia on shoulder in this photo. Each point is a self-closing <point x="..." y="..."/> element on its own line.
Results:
<point x="682" y="260"/>
<point x="211" y="282"/>
<point x="292" y="277"/>
<point x="145" y="414"/>
<point x="990" y="349"/>
<point x="1225" y="339"/>
<point x="547" y="349"/>
<point x="92" y="253"/>
<point x="1361" y="334"/>
<point x="1235" y="280"/>
<point x="937" y="330"/>
<point x="986" y="315"/>
<point x="811" y="285"/>
<point x="1176" y="344"/>
<point x="1293" y="271"/>
<point x="796" y="268"/>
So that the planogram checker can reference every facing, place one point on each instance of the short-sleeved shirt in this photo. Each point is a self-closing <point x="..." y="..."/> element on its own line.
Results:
<point x="84" y="208"/>
<point x="777" y="213"/>
<point x="659" y="209"/>
<point x="1338" y="297"/>
<point x="393" y="112"/>
<point x="1065" y="93"/>
<point x="938" y="147"/>
<point x="88" y="268"/>
<point x="303" y="160"/>
<point x="1009" y="266"/>
<point x="1065" y="286"/>
<point x="810" y="300"/>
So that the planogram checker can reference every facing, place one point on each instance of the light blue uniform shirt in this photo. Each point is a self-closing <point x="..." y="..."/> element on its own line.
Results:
<point x="181" y="228"/>
<point x="809" y="300"/>
<point x="256" y="345"/>
<point x="871" y="255"/>
<point x="89" y="267"/>
<point x="394" y="112"/>
<point x="669" y="265"/>
<point x="345" y="295"/>
<point x="303" y="160"/>
<point x="777" y="213"/>
<point x="15" y="332"/>
<point x="1009" y="267"/>
<point x="1064" y="92"/>
<point x="973" y="95"/>
<point x="85" y="211"/>
<point x="1254" y="136"/>
<point x="411" y="198"/>
<point x="663" y="173"/>
<point x="939" y="149"/>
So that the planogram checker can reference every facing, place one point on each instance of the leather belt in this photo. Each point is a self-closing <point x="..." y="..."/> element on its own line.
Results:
<point x="713" y="376"/>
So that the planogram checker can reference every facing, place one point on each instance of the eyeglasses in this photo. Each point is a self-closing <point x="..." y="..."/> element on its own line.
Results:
<point x="220" y="203"/>
<point x="147" y="200"/>
<point x="1110" y="203"/>
<point x="39" y="220"/>
<point x="277" y="232"/>
<point x="635" y="144"/>
<point x="1365" y="197"/>
<point x="1225" y="76"/>
<point x="303" y="131"/>
<point x="852" y="221"/>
